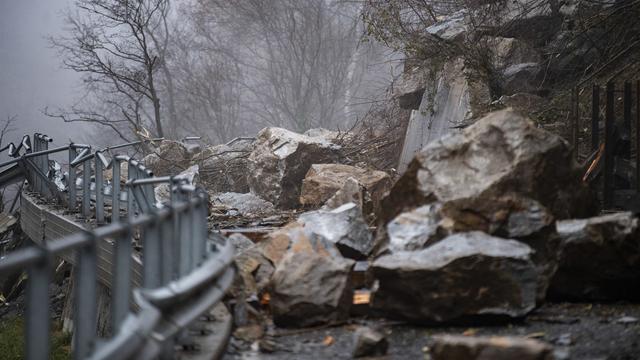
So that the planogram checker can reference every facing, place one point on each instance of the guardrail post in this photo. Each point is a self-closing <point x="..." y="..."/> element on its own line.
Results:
<point x="72" y="179"/>
<point x="166" y="237"/>
<point x="200" y="229"/>
<point x="121" y="278"/>
<point x="131" y="175"/>
<point x="151" y="256"/>
<point x="609" y="147"/>
<point x="99" y="174"/>
<point x="36" y="161"/>
<point x="86" y="189"/>
<point x="115" y="194"/>
<point x="84" y="325"/>
<point x="37" y="326"/>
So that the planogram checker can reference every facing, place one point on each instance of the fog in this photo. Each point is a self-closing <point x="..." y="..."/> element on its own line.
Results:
<point x="31" y="77"/>
<point x="213" y="68"/>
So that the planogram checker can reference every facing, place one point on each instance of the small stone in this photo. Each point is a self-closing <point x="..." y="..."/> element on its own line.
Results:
<point x="627" y="320"/>
<point x="369" y="342"/>
<point x="249" y="333"/>
<point x="564" y="340"/>
<point x="267" y="346"/>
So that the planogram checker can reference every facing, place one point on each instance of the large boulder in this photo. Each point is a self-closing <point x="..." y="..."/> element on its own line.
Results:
<point x="311" y="285"/>
<point x="280" y="161"/>
<point x="600" y="259"/>
<point x="168" y="158"/>
<point x="344" y="226"/>
<point x="463" y="276"/>
<point x="223" y="167"/>
<point x="491" y="175"/>
<point x="458" y="347"/>
<point x="324" y="180"/>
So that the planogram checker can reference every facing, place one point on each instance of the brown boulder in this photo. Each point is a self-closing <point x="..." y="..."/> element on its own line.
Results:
<point x="324" y="180"/>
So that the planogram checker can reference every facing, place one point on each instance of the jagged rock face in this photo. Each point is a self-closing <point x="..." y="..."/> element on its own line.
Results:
<point x="224" y="167"/>
<point x="452" y="98"/>
<point x="169" y="158"/>
<point x="464" y="275"/>
<point x="311" y="285"/>
<point x="324" y="180"/>
<point x="280" y="161"/>
<point x="343" y="226"/>
<point x="488" y="175"/>
<point x="600" y="259"/>
<point x="458" y="347"/>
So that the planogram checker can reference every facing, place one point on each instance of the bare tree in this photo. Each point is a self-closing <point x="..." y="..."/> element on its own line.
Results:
<point x="299" y="57"/>
<point x="118" y="46"/>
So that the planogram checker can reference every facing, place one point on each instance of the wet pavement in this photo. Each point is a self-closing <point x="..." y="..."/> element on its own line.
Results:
<point x="577" y="331"/>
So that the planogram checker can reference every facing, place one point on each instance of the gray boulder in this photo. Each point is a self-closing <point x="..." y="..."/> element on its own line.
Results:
<point x="416" y="229"/>
<point x="600" y="259"/>
<point x="280" y="161"/>
<point x="343" y="226"/>
<point x="490" y="175"/>
<point x="311" y="285"/>
<point x="464" y="275"/>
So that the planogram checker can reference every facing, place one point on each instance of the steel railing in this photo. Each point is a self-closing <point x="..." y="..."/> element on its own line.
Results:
<point x="184" y="272"/>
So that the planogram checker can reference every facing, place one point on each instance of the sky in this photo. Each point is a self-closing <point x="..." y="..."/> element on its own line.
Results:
<point x="31" y="77"/>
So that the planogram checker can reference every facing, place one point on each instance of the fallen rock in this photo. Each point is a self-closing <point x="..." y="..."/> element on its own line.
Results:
<point x="243" y="204"/>
<point x="600" y="259"/>
<point x="416" y="229"/>
<point x="456" y="347"/>
<point x="521" y="77"/>
<point x="500" y="166"/>
<point x="343" y="226"/>
<point x="280" y="161"/>
<point x="369" y="342"/>
<point x="224" y="167"/>
<point x="311" y="285"/>
<point x="163" y="193"/>
<point x="324" y="180"/>
<point x="351" y="192"/>
<point x="464" y="275"/>
<point x="240" y="242"/>
<point x="168" y="158"/>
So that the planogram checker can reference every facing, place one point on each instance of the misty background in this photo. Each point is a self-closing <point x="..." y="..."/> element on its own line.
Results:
<point x="31" y="76"/>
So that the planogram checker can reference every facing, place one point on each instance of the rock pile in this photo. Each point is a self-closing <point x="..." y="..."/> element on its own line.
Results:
<point x="485" y="224"/>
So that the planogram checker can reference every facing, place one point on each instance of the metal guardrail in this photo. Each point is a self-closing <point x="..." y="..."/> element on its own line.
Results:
<point x="184" y="273"/>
